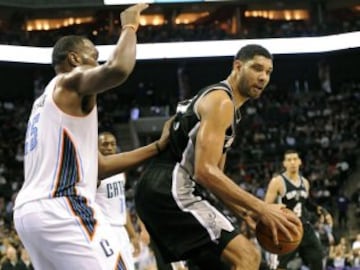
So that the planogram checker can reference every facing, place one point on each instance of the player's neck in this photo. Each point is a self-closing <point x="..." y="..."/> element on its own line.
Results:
<point x="293" y="176"/>
<point x="238" y="98"/>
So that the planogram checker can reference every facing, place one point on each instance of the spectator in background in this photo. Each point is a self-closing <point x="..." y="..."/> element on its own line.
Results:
<point x="342" y="202"/>
<point x="25" y="262"/>
<point x="10" y="261"/>
<point x="356" y="244"/>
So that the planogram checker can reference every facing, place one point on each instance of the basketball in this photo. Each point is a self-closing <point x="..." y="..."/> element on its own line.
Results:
<point x="265" y="238"/>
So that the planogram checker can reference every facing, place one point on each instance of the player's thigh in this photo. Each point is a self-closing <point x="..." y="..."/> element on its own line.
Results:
<point x="52" y="246"/>
<point x="29" y="240"/>
<point x="56" y="235"/>
<point x="240" y="251"/>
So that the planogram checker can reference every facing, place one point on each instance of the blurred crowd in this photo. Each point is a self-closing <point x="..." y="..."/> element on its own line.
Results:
<point x="12" y="32"/>
<point x="323" y="125"/>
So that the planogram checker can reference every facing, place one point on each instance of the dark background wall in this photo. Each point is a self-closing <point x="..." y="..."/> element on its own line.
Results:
<point x="17" y="80"/>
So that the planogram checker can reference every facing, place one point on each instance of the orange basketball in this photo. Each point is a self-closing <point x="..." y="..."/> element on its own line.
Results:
<point x="265" y="238"/>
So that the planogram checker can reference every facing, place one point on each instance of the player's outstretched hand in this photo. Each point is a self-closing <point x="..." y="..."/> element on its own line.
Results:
<point x="131" y="15"/>
<point x="273" y="216"/>
<point x="250" y="222"/>
<point x="164" y="139"/>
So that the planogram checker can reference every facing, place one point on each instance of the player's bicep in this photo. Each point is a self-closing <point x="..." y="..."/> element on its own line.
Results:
<point x="307" y="184"/>
<point x="273" y="190"/>
<point x="88" y="80"/>
<point x="216" y="112"/>
<point x="209" y="144"/>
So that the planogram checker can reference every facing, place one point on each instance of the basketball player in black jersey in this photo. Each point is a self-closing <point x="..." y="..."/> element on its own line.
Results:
<point x="291" y="189"/>
<point x="173" y="195"/>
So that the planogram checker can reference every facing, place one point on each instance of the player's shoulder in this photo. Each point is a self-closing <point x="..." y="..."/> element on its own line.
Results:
<point x="218" y="93"/>
<point x="71" y="78"/>
<point x="277" y="178"/>
<point x="304" y="178"/>
<point x="276" y="182"/>
<point x="305" y="181"/>
<point x="216" y="102"/>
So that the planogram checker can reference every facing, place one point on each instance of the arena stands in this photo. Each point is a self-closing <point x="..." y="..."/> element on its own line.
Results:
<point x="302" y="107"/>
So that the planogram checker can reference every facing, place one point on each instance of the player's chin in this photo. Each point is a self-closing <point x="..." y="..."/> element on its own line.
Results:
<point x="255" y="95"/>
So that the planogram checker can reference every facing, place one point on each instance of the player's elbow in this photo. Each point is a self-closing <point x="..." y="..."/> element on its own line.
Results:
<point x="203" y="174"/>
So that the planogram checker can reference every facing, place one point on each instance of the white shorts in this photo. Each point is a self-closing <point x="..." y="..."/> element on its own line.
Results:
<point x="126" y="248"/>
<point x="65" y="233"/>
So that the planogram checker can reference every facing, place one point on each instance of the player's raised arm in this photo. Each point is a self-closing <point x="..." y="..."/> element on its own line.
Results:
<point x="90" y="78"/>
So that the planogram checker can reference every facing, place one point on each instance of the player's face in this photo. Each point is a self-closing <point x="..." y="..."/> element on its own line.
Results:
<point x="292" y="162"/>
<point x="89" y="54"/>
<point x="254" y="76"/>
<point x="107" y="144"/>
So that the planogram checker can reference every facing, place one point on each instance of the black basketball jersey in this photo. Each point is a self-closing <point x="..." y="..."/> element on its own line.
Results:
<point x="295" y="197"/>
<point x="187" y="121"/>
<point x="181" y="214"/>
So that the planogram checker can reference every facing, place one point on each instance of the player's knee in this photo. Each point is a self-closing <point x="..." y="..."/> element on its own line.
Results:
<point x="255" y="255"/>
<point x="249" y="258"/>
<point x="242" y="253"/>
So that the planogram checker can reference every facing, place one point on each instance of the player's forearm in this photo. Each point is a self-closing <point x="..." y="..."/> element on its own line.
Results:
<point x="240" y="211"/>
<point x="228" y="192"/>
<point x="117" y="163"/>
<point x="124" y="56"/>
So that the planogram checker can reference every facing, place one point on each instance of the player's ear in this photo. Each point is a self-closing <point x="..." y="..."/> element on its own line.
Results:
<point x="73" y="59"/>
<point x="237" y="64"/>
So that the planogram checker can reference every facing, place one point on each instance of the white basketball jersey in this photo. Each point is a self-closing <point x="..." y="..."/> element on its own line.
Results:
<point x="61" y="152"/>
<point x="110" y="196"/>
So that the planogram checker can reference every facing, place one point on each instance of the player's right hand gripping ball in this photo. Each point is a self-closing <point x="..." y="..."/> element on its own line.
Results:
<point x="265" y="237"/>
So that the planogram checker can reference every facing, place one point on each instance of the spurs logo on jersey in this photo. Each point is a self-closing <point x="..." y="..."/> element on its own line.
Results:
<point x="110" y="196"/>
<point x="295" y="196"/>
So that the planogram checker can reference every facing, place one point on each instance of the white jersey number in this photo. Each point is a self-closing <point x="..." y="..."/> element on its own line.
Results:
<point x="31" y="139"/>
<point x="298" y="209"/>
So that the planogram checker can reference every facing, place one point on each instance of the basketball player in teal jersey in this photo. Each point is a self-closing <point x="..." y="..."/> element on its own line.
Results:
<point x="291" y="189"/>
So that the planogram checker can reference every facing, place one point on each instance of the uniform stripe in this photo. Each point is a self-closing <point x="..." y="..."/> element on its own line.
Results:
<point x="68" y="174"/>
<point x="68" y="168"/>
<point x="120" y="265"/>
<point x="80" y="208"/>
<point x="58" y="161"/>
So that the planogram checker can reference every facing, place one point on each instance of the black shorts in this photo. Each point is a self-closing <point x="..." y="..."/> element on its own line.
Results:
<point x="178" y="218"/>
